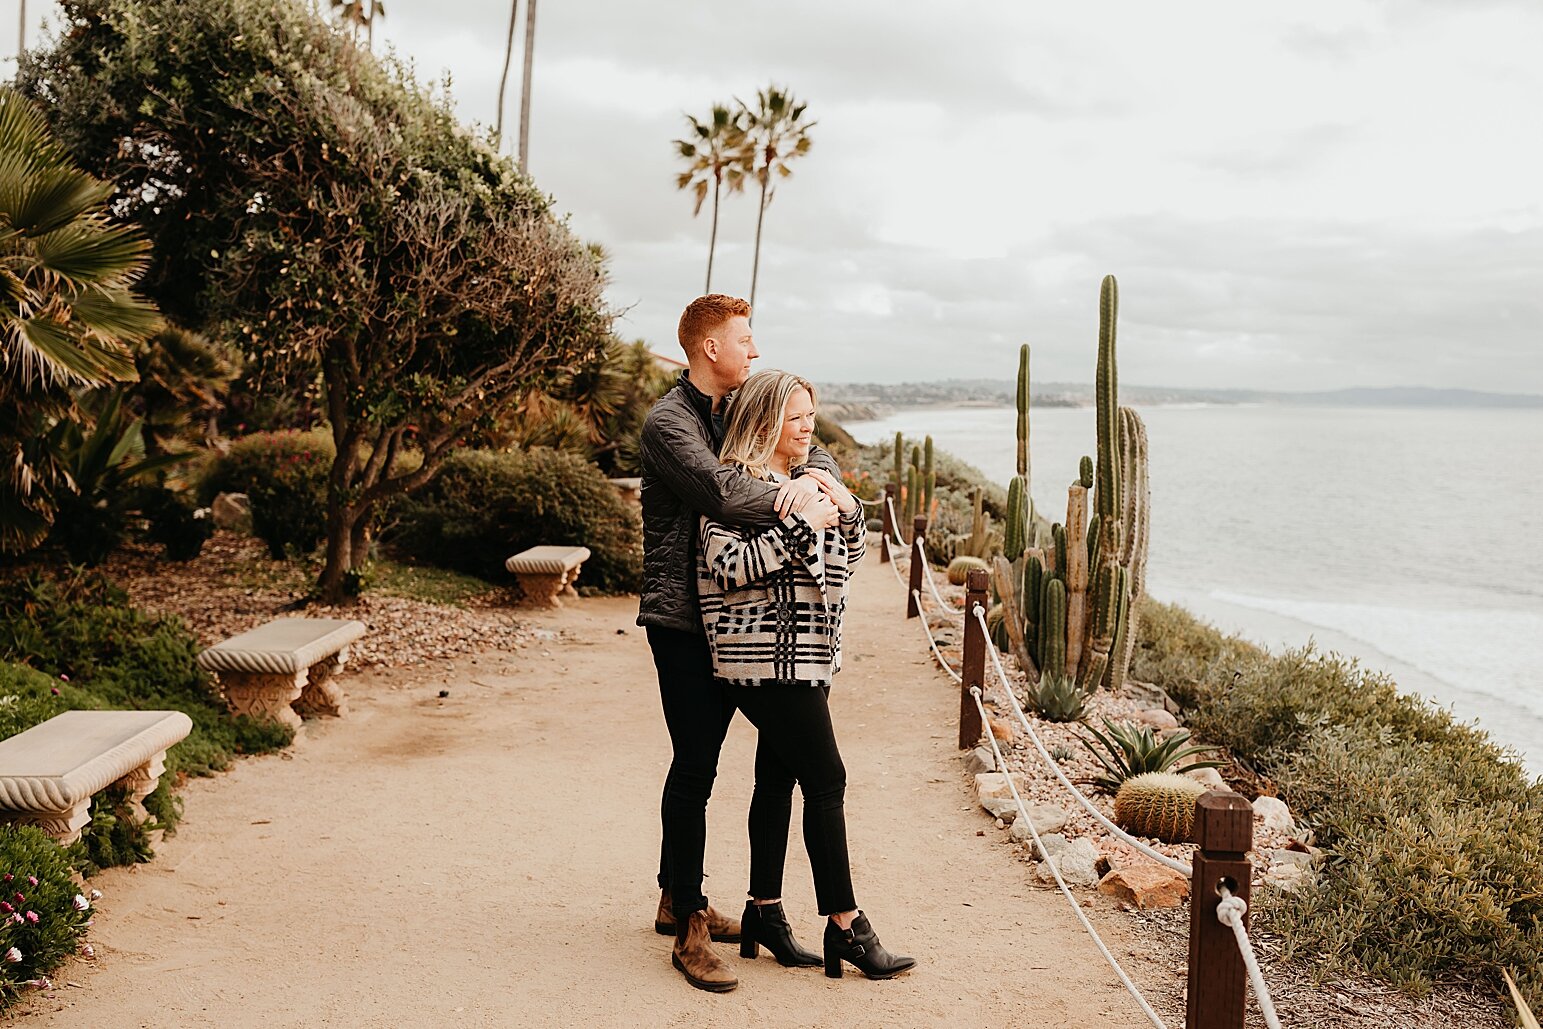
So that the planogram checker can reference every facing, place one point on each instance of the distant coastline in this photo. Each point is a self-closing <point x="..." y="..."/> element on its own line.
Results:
<point x="858" y="402"/>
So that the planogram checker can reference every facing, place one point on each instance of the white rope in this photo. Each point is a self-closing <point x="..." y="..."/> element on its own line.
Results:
<point x="894" y="564"/>
<point x="932" y="585"/>
<point x="1076" y="907"/>
<point x="922" y="616"/>
<point x="1230" y="913"/>
<point x="1149" y="851"/>
<point x="894" y="522"/>
<point x="867" y="503"/>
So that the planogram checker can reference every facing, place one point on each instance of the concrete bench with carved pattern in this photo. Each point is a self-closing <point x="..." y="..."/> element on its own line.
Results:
<point x="285" y="668"/>
<point x="546" y="573"/>
<point x="49" y="773"/>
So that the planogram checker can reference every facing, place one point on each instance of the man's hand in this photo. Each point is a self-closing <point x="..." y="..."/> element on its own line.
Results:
<point x="797" y="495"/>
<point x="821" y="512"/>
<point x="832" y="488"/>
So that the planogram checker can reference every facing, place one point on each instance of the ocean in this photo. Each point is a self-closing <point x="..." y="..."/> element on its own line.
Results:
<point x="1408" y="538"/>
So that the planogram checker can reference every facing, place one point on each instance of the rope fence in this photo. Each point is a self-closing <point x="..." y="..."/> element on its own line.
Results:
<point x="1222" y="962"/>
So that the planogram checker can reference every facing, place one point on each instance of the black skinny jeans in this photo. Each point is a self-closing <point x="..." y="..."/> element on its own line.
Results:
<point x="796" y="744"/>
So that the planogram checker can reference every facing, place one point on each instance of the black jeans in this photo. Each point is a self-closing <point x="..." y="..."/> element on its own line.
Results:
<point x="797" y="744"/>
<point x="697" y="711"/>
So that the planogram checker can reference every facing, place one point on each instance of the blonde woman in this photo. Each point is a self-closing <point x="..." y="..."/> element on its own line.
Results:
<point x="772" y="602"/>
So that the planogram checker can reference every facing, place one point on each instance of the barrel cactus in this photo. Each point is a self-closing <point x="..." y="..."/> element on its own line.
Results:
<point x="960" y="567"/>
<point x="1159" y="805"/>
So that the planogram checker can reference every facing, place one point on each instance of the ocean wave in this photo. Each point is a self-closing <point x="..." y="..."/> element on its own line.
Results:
<point x="1490" y="652"/>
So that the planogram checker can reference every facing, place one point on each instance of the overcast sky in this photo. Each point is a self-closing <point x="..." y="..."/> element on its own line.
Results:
<point x="1293" y="196"/>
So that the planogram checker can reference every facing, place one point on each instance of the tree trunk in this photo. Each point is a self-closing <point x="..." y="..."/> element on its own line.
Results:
<point x="21" y="32"/>
<point x="341" y="522"/>
<point x="712" y="241"/>
<point x="755" y="268"/>
<point x="503" y="79"/>
<point x="530" y="54"/>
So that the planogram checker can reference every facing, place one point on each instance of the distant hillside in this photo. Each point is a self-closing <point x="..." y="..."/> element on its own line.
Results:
<point x="867" y="400"/>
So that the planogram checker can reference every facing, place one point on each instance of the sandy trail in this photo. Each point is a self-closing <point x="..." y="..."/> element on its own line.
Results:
<point x="489" y="860"/>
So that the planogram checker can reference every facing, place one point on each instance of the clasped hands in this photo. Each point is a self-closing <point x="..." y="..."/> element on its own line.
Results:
<point x="818" y="496"/>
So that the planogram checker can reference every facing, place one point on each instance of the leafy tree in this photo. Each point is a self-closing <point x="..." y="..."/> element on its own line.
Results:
<point x="316" y="205"/>
<point x="775" y="134"/>
<point x="715" y="153"/>
<point x="67" y="316"/>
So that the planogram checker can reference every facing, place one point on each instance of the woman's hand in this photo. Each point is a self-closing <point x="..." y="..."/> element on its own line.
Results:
<point x="822" y="514"/>
<point x="832" y="488"/>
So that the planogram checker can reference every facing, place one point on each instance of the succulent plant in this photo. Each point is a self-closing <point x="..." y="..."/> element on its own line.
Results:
<point x="1061" y="753"/>
<point x="1057" y="698"/>
<point x="959" y="568"/>
<point x="1127" y="749"/>
<point x="1158" y="804"/>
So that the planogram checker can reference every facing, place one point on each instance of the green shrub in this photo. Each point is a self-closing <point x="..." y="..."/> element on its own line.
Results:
<point x="484" y="506"/>
<point x="37" y="883"/>
<point x="177" y="523"/>
<point x="285" y="475"/>
<point x="1433" y="834"/>
<point x="84" y="630"/>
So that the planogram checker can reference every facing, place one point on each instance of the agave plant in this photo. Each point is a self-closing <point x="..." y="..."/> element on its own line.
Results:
<point x="1129" y="749"/>
<point x="1057" y="698"/>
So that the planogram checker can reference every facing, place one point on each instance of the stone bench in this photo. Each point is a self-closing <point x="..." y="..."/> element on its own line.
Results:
<point x="49" y="773"/>
<point x="546" y="573"/>
<point x="283" y="669"/>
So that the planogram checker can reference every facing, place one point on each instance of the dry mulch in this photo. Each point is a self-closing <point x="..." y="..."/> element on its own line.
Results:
<point x="233" y="586"/>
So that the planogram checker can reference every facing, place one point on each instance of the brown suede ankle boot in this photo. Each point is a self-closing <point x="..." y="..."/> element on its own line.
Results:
<point x="721" y="927"/>
<point x="696" y="959"/>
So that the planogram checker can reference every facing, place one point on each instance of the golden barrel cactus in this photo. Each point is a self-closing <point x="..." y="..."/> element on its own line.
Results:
<point x="1158" y="804"/>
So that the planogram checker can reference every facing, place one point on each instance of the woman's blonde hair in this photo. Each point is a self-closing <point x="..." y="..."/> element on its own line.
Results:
<point x="754" y="425"/>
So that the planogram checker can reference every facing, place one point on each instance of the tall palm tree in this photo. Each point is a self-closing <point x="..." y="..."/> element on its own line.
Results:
<point x="714" y="152"/>
<point x="67" y="316"/>
<point x="530" y="54"/>
<point x="775" y="133"/>
<point x="503" y="79"/>
<point x="359" y="14"/>
<point x="21" y="32"/>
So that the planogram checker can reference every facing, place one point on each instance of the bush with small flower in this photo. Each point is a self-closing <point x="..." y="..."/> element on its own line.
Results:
<point x="44" y="913"/>
<point x="285" y="475"/>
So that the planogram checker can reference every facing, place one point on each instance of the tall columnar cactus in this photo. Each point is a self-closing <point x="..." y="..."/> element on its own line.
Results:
<point x="899" y="460"/>
<point x="931" y="478"/>
<point x="1098" y="557"/>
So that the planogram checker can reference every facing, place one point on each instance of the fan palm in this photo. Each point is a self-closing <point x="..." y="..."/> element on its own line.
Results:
<point x="503" y="78"/>
<point x="714" y="151"/>
<point x="775" y="134"/>
<point x="359" y="14"/>
<point x="530" y="56"/>
<point x="66" y="314"/>
<point x="67" y="317"/>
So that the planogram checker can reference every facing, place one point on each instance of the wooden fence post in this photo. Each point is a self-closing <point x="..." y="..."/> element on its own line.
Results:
<point x="889" y="525"/>
<point x="1218" y="980"/>
<point x="974" y="669"/>
<point x="918" y="566"/>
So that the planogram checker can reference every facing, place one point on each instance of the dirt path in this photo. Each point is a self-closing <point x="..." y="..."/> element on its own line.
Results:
<point x="488" y="860"/>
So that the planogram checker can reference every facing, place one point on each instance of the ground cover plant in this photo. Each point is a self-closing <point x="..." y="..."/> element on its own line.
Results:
<point x="43" y="914"/>
<point x="1433" y="834"/>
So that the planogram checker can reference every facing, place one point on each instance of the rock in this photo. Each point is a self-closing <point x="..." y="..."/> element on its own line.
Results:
<point x="1113" y="854"/>
<point x="980" y="760"/>
<point x="1157" y="718"/>
<point x="1146" y="885"/>
<point x="1150" y="695"/>
<point x="1001" y="808"/>
<point x="1289" y="878"/>
<point x="1276" y="814"/>
<point x="1047" y="818"/>
<point x="1001" y="730"/>
<point x="232" y="511"/>
<point x="1210" y="776"/>
<point x="1074" y="859"/>
<point x="1282" y="857"/>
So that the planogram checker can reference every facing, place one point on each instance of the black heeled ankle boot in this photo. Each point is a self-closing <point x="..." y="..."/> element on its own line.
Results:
<point x="766" y="925"/>
<point x="860" y="945"/>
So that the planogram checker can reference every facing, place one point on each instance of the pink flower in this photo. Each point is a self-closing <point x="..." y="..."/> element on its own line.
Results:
<point x="96" y="894"/>
<point x="66" y="678"/>
<point x="41" y="983"/>
<point x="32" y="916"/>
<point x="18" y="898"/>
<point x="5" y="907"/>
<point x="32" y="879"/>
<point x="87" y="951"/>
<point x="13" y="956"/>
<point x="81" y="903"/>
<point x="54" y="690"/>
<point x="17" y="918"/>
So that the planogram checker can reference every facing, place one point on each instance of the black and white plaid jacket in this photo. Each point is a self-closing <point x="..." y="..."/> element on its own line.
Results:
<point x="772" y="599"/>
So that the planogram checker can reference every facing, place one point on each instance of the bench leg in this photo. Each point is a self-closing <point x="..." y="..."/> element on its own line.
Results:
<point x="63" y="826"/>
<point x="264" y="695"/>
<point x="543" y="590"/>
<point x="322" y="696"/>
<point x="568" y="590"/>
<point x="141" y="782"/>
